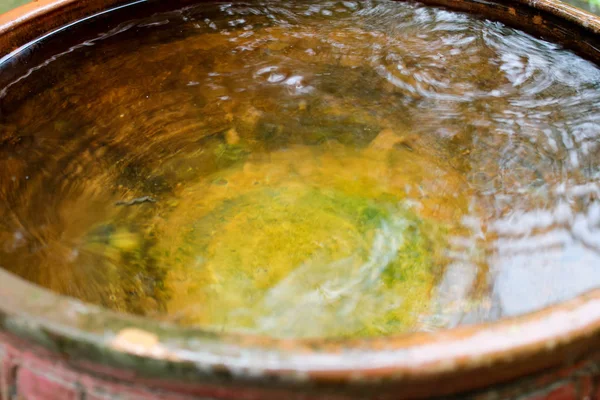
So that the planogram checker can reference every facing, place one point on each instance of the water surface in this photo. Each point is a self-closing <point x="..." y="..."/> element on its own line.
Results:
<point x="300" y="170"/>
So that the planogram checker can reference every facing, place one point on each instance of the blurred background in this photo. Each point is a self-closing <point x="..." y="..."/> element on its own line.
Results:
<point x="590" y="5"/>
<point x="6" y="5"/>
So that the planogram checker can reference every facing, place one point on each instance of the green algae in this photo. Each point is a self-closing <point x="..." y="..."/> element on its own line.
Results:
<point x="310" y="241"/>
<point x="286" y="245"/>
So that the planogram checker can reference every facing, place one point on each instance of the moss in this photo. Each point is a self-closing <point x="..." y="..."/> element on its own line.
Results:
<point x="290" y="238"/>
<point x="126" y="276"/>
<point x="272" y="240"/>
<point x="227" y="154"/>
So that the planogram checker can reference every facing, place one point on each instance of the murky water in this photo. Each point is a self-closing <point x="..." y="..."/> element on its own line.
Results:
<point x="306" y="169"/>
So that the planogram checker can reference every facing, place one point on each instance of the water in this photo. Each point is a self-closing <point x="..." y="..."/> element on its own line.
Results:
<point x="302" y="170"/>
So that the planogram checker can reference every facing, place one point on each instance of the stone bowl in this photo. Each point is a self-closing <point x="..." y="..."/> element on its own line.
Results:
<point x="53" y="347"/>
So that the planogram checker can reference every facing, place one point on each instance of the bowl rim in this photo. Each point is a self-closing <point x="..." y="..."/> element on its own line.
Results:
<point x="88" y="332"/>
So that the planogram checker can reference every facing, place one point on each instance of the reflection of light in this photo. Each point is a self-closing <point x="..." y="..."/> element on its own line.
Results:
<point x="545" y="256"/>
<point x="529" y="281"/>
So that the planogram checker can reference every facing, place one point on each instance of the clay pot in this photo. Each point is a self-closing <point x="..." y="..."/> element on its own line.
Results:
<point x="53" y="347"/>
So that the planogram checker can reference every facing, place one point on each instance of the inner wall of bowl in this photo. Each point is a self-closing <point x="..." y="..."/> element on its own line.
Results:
<point x="440" y="166"/>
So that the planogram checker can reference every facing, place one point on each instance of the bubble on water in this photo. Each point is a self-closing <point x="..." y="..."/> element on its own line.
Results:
<point x="350" y="5"/>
